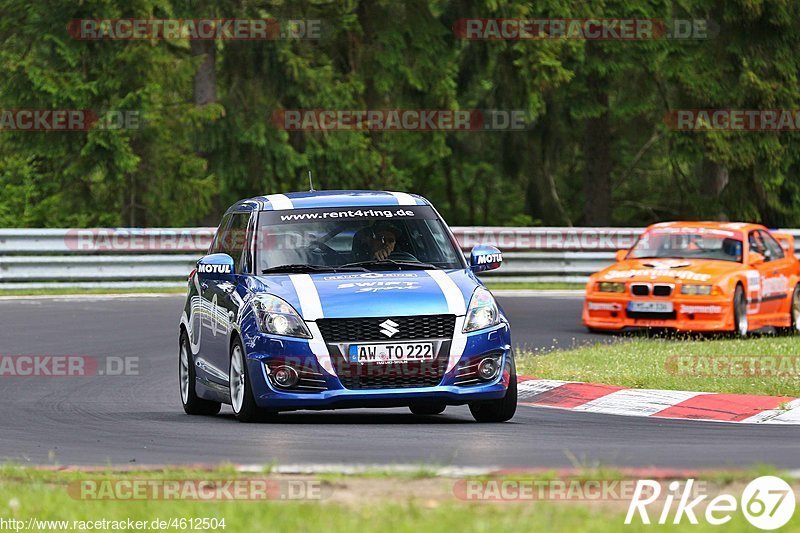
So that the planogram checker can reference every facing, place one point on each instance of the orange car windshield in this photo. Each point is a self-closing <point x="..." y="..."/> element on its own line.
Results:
<point x="686" y="244"/>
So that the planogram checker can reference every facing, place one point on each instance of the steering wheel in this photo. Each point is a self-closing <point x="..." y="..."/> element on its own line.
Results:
<point x="402" y="256"/>
<point x="319" y="248"/>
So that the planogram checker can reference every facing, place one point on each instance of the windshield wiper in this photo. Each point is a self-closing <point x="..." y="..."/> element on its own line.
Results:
<point x="399" y="264"/>
<point x="301" y="268"/>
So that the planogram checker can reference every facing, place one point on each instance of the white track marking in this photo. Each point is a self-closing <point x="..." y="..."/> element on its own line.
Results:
<point x="636" y="402"/>
<point x="528" y="389"/>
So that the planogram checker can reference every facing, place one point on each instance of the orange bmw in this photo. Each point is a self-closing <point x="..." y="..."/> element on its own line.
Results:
<point x="699" y="276"/>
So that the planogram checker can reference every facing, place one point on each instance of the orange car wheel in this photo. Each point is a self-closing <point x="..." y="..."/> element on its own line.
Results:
<point x="740" y="322"/>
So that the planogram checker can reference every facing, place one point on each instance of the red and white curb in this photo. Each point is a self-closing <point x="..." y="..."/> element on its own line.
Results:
<point x="609" y="399"/>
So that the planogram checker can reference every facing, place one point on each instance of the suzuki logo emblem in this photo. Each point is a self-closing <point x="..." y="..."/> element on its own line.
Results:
<point x="389" y="327"/>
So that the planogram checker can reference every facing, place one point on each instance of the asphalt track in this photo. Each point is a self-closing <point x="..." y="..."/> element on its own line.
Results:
<point x="137" y="419"/>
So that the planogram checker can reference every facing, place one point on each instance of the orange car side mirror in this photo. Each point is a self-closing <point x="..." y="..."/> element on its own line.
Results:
<point x="620" y="255"/>
<point x="755" y="258"/>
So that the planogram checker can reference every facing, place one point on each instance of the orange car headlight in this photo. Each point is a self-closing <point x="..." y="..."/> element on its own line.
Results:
<point x="700" y="290"/>
<point x="610" y="286"/>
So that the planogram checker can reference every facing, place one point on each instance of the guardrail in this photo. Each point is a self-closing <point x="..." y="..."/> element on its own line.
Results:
<point x="163" y="257"/>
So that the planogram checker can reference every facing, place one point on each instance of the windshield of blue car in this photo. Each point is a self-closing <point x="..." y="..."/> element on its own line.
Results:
<point x="372" y="238"/>
<point x="688" y="244"/>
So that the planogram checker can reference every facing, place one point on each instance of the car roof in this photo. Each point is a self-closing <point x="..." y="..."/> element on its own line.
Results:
<point x="708" y="224"/>
<point x="312" y="199"/>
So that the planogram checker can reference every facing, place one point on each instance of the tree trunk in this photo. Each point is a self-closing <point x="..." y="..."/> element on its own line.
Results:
<point x="597" y="161"/>
<point x="205" y="80"/>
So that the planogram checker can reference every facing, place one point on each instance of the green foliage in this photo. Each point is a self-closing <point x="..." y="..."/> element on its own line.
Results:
<point x="189" y="160"/>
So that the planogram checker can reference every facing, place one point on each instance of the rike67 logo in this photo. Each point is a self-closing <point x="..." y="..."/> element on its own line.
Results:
<point x="767" y="502"/>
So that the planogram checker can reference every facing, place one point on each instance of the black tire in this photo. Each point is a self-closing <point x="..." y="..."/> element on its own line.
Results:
<point x="501" y="410"/>
<point x="794" y="314"/>
<point x="248" y="411"/>
<point x="192" y="404"/>
<point x="740" y="322"/>
<point x="430" y="408"/>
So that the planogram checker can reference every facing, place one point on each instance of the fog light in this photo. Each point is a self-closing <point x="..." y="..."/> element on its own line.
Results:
<point x="488" y="369"/>
<point x="285" y="376"/>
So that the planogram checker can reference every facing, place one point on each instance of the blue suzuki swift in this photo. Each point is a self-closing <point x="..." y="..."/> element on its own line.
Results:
<point x="336" y="299"/>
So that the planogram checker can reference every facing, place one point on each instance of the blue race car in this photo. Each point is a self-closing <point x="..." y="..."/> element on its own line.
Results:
<point x="336" y="299"/>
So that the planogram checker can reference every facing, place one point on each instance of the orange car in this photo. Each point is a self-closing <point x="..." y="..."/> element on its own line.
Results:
<point x="699" y="276"/>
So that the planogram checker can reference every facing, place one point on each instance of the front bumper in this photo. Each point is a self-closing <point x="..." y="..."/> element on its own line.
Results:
<point x="263" y="350"/>
<point x="609" y="311"/>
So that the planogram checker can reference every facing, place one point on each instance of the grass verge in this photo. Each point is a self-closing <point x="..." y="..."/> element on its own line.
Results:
<point x="346" y="503"/>
<point x="541" y="286"/>
<point x="748" y="366"/>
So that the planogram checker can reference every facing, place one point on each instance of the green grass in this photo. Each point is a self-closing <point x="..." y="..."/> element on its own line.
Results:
<point x="499" y="285"/>
<point x="652" y="363"/>
<point x="61" y="291"/>
<point x="44" y="495"/>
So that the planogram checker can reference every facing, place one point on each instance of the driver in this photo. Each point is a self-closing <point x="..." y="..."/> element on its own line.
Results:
<point x="382" y="241"/>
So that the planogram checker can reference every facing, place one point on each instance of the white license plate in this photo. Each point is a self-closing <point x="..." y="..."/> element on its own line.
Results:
<point x="650" y="307"/>
<point x="391" y="353"/>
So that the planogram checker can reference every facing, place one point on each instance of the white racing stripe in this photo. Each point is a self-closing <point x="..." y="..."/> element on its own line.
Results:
<point x="455" y="300"/>
<point x="456" y="306"/>
<point x="310" y="305"/>
<point x="319" y="348"/>
<point x="280" y="202"/>
<point x="311" y="309"/>
<point x="403" y="198"/>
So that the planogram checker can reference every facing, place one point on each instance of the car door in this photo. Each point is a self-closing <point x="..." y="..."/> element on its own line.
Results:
<point x="203" y="312"/>
<point x="775" y="285"/>
<point x="224" y="300"/>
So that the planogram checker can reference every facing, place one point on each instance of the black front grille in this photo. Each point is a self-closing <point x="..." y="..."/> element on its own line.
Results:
<point x="640" y="290"/>
<point x="662" y="290"/>
<point x="369" y="329"/>
<point x="399" y="377"/>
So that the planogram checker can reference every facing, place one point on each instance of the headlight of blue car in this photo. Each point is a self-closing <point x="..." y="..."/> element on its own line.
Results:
<point x="482" y="312"/>
<point x="275" y="316"/>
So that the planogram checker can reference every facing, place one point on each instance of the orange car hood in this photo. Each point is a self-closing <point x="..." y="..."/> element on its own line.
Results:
<point x="669" y="270"/>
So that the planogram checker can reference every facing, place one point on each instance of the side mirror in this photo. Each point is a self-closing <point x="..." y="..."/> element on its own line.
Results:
<point x="485" y="257"/>
<point x="755" y="258"/>
<point x="217" y="267"/>
<point x="620" y="255"/>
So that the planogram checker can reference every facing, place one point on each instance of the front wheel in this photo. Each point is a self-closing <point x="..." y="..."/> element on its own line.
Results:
<point x="243" y="402"/>
<point x="794" y="313"/>
<point x="192" y="404"/>
<point x="500" y="410"/>
<point x="740" y="322"/>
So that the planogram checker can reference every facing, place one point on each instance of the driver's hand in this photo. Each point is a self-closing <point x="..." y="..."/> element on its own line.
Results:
<point x="382" y="253"/>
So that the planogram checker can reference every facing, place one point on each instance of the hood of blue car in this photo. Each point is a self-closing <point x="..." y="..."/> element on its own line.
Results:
<point x="373" y="294"/>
